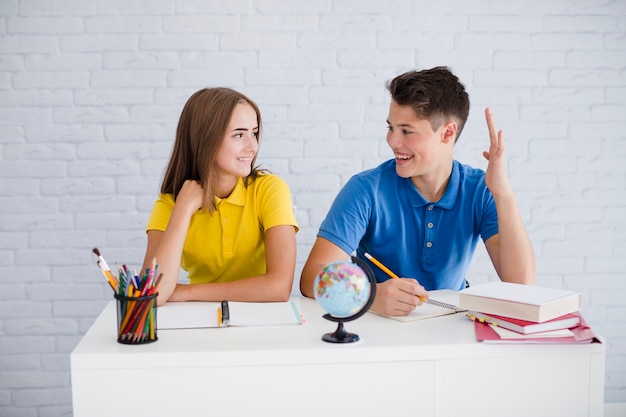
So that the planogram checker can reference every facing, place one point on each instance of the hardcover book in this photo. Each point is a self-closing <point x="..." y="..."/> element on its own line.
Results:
<point x="524" y="302"/>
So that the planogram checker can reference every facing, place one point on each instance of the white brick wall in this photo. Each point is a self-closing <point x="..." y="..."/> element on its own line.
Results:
<point x="90" y="92"/>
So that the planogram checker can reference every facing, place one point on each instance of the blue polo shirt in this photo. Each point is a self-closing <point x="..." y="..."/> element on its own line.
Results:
<point x="383" y="214"/>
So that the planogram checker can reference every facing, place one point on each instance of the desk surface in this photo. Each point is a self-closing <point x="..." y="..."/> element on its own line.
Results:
<point x="450" y="336"/>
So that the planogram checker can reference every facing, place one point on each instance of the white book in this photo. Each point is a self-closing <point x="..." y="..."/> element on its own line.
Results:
<point x="200" y="314"/>
<point x="524" y="302"/>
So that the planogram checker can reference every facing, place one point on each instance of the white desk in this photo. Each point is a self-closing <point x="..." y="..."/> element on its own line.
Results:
<point x="431" y="367"/>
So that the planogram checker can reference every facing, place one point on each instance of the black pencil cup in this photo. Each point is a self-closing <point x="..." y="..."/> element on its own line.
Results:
<point x="136" y="319"/>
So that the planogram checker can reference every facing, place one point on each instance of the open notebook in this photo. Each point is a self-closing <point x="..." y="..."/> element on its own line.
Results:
<point x="426" y="310"/>
<point x="199" y="314"/>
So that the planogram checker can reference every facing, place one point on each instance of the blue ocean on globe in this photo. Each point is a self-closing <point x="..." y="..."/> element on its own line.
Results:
<point x="342" y="289"/>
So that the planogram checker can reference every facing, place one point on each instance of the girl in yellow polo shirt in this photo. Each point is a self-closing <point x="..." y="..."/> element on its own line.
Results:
<point x="228" y="224"/>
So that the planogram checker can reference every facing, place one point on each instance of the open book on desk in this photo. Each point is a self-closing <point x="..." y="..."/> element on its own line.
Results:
<point x="201" y="314"/>
<point x="426" y="310"/>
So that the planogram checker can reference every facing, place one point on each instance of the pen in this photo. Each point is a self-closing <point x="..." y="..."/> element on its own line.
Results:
<point x="225" y="314"/>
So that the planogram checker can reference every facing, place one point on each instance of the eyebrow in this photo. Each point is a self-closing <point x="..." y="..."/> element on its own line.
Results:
<point x="244" y="129"/>
<point x="401" y="125"/>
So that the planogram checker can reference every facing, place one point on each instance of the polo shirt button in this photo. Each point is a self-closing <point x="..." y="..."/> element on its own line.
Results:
<point x="227" y="239"/>
<point x="431" y="207"/>
<point x="225" y="220"/>
<point x="429" y="244"/>
<point x="430" y="225"/>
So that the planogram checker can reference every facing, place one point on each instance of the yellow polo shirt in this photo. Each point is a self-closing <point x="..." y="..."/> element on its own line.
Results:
<point x="230" y="243"/>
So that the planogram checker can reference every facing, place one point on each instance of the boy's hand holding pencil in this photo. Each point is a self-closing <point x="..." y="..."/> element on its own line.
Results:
<point x="422" y="298"/>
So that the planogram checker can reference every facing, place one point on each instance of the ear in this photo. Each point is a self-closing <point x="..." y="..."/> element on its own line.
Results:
<point x="449" y="132"/>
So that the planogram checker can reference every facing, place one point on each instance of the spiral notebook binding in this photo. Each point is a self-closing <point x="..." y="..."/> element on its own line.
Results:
<point x="444" y="305"/>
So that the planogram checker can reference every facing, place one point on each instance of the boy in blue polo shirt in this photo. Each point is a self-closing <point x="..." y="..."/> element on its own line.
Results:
<point x="421" y="214"/>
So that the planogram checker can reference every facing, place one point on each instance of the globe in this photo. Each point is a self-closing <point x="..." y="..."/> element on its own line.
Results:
<point x="345" y="290"/>
<point x="342" y="289"/>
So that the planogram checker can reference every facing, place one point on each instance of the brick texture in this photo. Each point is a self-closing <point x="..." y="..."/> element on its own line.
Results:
<point x="90" y="93"/>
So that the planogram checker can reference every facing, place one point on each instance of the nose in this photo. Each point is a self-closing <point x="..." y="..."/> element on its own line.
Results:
<point x="392" y="140"/>
<point x="252" y="142"/>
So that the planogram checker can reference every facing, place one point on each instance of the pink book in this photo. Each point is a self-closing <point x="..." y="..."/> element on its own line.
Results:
<point x="579" y="334"/>
<point x="566" y="321"/>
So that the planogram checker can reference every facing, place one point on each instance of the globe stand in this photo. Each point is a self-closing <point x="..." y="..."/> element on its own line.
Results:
<point x="341" y="335"/>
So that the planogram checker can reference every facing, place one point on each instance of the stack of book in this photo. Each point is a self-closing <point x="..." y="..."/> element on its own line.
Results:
<point x="514" y="313"/>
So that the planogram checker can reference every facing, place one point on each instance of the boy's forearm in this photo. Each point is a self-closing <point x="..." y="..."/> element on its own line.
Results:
<point x="516" y="258"/>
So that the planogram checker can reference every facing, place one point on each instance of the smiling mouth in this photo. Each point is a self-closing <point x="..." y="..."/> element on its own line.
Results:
<point x="402" y="157"/>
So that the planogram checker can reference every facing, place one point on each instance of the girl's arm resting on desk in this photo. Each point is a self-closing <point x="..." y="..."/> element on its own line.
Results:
<point x="167" y="247"/>
<point x="274" y="285"/>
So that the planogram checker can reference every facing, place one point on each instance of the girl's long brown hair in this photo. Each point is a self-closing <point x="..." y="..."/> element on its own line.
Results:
<point x="199" y="136"/>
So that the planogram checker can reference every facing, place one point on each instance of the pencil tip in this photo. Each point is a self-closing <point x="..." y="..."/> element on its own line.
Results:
<point x="96" y="251"/>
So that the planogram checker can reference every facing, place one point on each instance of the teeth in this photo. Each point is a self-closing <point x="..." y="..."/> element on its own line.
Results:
<point x="403" y="156"/>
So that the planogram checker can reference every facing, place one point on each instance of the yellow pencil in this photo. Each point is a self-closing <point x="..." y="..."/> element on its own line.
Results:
<point x="386" y="270"/>
<point x="380" y="265"/>
<point x="424" y="299"/>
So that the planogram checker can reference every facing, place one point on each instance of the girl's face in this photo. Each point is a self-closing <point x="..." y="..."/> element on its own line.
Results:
<point x="240" y="146"/>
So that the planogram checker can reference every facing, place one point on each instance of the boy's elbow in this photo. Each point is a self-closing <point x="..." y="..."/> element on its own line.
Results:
<point x="526" y="277"/>
<point x="529" y="273"/>
<point x="306" y="287"/>
<point x="529" y="277"/>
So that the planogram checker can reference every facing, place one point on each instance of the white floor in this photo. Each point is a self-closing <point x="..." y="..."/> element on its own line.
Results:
<point x="614" y="409"/>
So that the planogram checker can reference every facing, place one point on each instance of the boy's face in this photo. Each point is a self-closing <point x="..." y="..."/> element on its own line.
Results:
<point x="419" y="150"/>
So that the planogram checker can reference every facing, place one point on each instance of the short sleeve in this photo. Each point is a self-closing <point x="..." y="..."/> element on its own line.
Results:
<point x="348" y="218"/>
<point x="489" y="218"/>
<point x="275" y="205"/>
<point x="161" y="213"/>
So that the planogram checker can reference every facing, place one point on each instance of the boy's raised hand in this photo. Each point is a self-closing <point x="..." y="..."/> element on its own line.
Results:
<point x="496" y="177"/>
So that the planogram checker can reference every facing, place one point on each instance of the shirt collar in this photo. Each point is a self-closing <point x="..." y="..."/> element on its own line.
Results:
<point x="449" y="197"/>
<point x="236" y="197"/>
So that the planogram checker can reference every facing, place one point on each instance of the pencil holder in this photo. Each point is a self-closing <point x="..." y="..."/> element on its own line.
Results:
<point x="136" y="319"/>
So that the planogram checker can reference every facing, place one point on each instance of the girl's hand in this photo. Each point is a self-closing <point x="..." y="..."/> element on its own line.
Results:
<point x="190" y="196"/>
